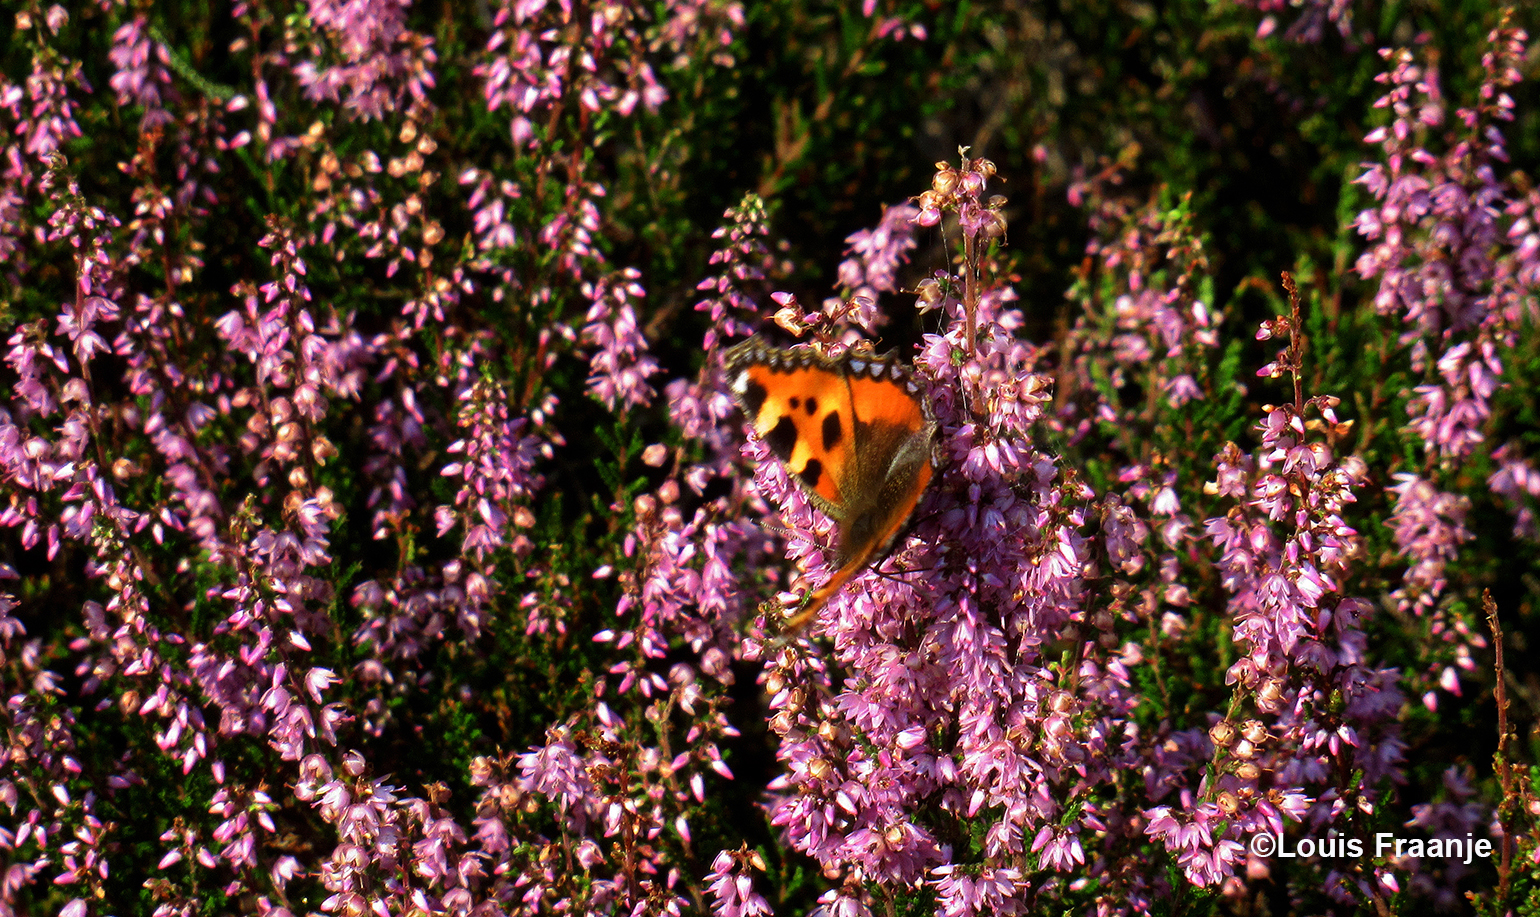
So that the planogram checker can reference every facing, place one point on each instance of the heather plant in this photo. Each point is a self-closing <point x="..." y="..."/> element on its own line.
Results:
<point x="378" y="534"/>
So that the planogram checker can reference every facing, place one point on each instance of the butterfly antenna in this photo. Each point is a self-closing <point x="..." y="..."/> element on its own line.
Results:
<point x="774" y="528"/>
<point x="789" y="535"/>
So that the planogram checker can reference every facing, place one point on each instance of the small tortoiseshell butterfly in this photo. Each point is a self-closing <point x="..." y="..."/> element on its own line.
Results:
<point x="854" y="431"/>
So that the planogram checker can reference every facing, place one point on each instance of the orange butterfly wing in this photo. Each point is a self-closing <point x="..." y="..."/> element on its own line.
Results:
<point x="855" y="433"/>
<point x="802" y="413"/>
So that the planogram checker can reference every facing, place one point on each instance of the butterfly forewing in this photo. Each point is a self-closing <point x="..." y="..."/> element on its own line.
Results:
<point x="801" y="413"/>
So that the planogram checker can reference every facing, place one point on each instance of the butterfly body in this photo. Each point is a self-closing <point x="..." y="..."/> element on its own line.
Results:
<point x="854" y="432"/>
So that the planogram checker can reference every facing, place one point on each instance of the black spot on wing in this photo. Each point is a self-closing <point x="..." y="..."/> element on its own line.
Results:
<point x="782" y="438"/>
<point x="832" y="431"/>
<point x="811" y="472"/>
<point x="753" y="397"/>
<point x="812" y="406"/>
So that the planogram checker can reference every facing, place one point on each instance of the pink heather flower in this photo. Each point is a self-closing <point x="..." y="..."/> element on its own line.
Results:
<point x="1309" y="23"/>
<point x="490" y="203"/>
<point x="142" y="77"/>
<point x="496" y="473"/>
<point x="731" y="887"/>
<point x="622" y="362"/>
<point x="834" y="904"/>
<point x="1429" y="528"/>
<point x="370" y="61"/>
<point x="1451" y="254"/>
<point x="710" y="23"/>
<point x="992" y="891"/>
<point x="50" y="111"/>
<point x="533" y="64"/>
<point x="1435" y="233"/>
<point x="879" y="252"/>
<point x="1517" y="483"/>
<point x="1284" y="550"/>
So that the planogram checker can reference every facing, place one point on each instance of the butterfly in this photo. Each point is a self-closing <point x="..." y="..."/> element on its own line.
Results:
<point x="855" y="433"/>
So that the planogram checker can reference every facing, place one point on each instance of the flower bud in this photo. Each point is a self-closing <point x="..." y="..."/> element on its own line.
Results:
<point x="832" y="732"/>
<point x="797" y="701"/>
<point x="321" y="449"/>
<point x="1270" y="697"/>
<point x="930" y="294"/>
<point x="781" y="723"/>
